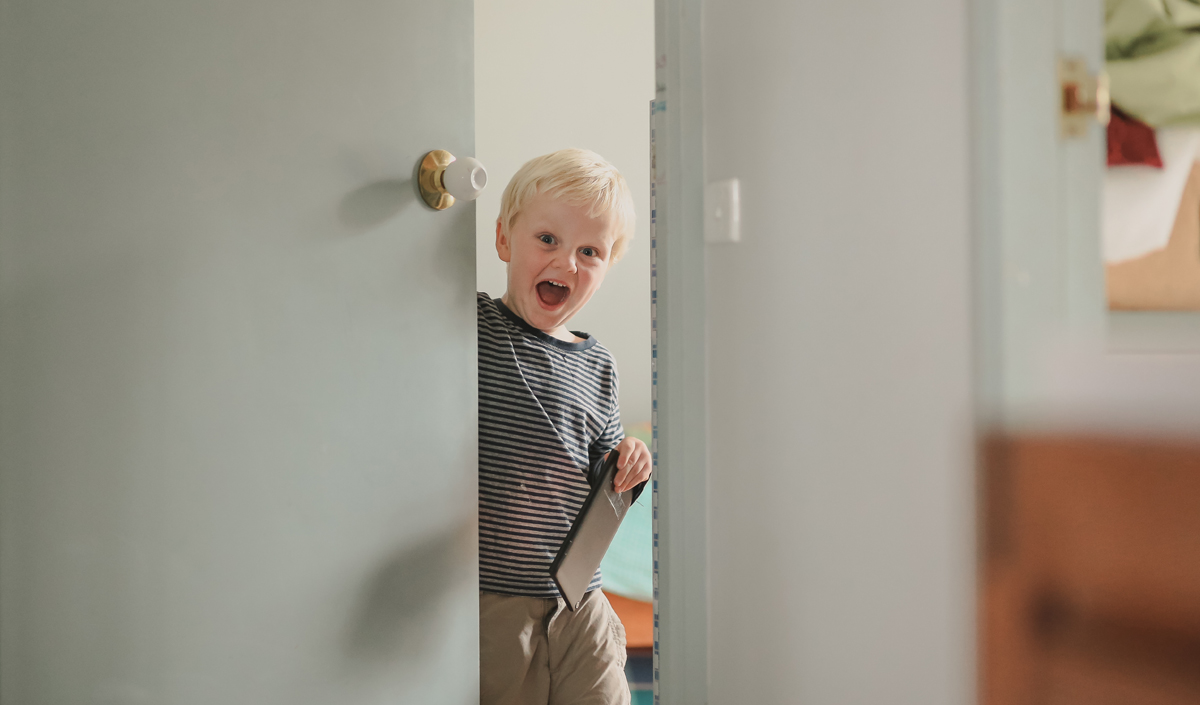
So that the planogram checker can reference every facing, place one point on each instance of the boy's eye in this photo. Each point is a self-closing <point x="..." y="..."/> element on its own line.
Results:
<point x="546" y="238"/>
<point x="589" y="251"/>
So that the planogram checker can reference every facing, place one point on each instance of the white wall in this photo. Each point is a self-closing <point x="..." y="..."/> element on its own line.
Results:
<point x="839" y="330"/>
<point x="549" y="75"/>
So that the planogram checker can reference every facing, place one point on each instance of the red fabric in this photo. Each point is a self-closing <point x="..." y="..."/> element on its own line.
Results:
<point x="1131" y="141"/>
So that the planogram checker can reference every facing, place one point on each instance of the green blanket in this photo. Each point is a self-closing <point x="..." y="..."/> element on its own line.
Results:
<point x="1153" y="53"/>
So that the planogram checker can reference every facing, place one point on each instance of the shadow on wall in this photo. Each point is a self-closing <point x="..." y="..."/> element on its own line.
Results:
<point x="376" y="203"/>
<point x="443" y="238"/>
<point x="373" y="205"/>
<point x="401" y="606"/>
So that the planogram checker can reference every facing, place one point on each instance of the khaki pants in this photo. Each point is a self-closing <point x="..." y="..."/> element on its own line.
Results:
<point x="534" y="651"/>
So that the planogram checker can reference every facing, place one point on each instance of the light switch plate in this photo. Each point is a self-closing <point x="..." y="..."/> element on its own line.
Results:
<point x="722" y="212"/>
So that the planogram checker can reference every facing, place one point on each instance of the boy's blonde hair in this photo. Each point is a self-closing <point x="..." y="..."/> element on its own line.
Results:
<point x="579" y="177"/>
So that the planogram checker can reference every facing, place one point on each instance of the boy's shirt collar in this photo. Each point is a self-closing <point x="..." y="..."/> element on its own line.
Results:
<point x="521" y="323"/>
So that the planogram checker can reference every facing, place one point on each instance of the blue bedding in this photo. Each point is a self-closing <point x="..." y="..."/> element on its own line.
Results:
<point x="628" y="567"/>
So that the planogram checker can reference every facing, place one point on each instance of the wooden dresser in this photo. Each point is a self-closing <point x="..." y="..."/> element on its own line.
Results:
<point x="1090" y="572"/>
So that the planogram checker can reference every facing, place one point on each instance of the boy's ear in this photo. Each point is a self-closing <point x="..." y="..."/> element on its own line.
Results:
<point x="503" y="247"/>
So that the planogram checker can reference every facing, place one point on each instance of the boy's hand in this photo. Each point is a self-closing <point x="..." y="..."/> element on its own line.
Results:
<point x="633" y="467"/>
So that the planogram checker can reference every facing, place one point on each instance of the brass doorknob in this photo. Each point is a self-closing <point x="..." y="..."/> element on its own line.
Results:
<point x="444" y="179"/>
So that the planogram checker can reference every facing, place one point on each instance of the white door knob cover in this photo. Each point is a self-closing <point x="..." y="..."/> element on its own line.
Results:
<point x="465" y="178"/>
<point x="442" y="179"/>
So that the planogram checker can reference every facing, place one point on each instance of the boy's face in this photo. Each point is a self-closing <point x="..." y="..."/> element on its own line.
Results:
<point x="557" y="257"/>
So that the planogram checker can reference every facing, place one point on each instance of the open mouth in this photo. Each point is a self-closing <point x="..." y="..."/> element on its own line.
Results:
<point x="552" y="294"/>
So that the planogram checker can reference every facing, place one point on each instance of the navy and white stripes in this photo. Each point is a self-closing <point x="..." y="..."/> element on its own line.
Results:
<point x="547" y="411"/>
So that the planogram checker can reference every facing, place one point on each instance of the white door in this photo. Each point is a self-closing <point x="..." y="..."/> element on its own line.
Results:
<point x="237" y="394"/>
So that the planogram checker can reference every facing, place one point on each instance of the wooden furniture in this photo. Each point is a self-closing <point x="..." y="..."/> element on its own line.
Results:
<point x="1169" y="279"/>
<point x="1090" y="572"/>
<point x="638" y="618"/>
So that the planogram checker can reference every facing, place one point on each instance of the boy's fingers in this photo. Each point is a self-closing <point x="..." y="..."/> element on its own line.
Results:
<point x="628" y="479"/>
<point x="633" y="467"/>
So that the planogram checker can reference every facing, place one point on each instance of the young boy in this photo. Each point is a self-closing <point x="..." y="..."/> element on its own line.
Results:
<point x="547" y="414"/>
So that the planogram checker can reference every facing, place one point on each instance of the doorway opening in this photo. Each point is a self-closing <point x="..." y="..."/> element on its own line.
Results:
<point x="550" y="76"/>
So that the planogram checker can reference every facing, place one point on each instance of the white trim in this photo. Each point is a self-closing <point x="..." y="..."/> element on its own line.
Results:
<point x="680" y="417"/>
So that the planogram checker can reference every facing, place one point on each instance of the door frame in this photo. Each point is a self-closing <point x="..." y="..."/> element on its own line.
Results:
<point x="680" y="494"/>
<point x="1036" y="198"/>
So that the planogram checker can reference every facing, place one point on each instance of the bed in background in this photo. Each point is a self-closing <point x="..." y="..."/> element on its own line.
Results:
<point x="1151" y="217"/>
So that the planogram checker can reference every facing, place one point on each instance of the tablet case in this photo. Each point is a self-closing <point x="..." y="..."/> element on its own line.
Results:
<point x="590" y="535"/>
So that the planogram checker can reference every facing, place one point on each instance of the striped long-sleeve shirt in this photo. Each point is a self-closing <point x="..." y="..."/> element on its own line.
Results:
<point x="547" y="411"/>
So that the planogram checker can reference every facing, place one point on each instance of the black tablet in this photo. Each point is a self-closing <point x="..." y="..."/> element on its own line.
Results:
<point x="590" y="535"/>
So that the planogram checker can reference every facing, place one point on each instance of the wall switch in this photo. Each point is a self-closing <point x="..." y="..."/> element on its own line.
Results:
<point x="722" y="212"/>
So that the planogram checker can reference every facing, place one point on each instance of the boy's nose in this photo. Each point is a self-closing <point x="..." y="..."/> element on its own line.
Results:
<point x="569" y="263"/>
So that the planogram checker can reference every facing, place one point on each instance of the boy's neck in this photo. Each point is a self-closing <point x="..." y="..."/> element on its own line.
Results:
<point x="561" y="332"/>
